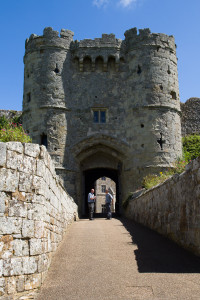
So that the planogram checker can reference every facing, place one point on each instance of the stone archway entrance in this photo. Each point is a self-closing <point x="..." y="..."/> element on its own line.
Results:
<point x="89" y="178"/>
<point x="98" y="156"/>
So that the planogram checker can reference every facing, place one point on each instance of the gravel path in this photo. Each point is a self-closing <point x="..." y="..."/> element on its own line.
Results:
<point x="119" y="260"/>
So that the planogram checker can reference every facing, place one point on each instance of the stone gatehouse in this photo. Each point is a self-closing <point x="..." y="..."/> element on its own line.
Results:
<point x="103" y="107"/>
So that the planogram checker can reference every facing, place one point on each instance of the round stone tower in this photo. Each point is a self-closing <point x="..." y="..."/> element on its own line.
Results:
<point x="103" y="107"/>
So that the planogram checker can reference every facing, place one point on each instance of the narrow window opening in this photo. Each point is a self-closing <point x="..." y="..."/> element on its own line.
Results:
<point x="111" y="64"/>
<point x="139" y="70"/>
<point x="56" y="69"/>
<point x="76" y="63"/>
<point x="142" y="145"/>
<point x="28" y="97"/>
<point x="99" y="64"/>
<point x="161" y="87"/>
<point x="168" y="71"/>
<point x="41" y="51"/>
<point x="173" y="94"/>
<point x="96" y="116"/>
<point x="87" y="64"/>
<point x="43" y="140"/>
<point x="103" y="188"/>
<point x="158" y="48"/>
<point x="142" y="125"/>
<point x="102" y="116"/>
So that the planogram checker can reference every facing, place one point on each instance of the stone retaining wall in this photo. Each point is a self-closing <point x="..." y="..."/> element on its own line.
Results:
<point x="34" y="213"/>
<point x="173" y="208"/>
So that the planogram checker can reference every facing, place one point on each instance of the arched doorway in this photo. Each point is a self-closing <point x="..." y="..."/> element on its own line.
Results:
<point x="89" y="178"/>
<point x="98" y="156"/>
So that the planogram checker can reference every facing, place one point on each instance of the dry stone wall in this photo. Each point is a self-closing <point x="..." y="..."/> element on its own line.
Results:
<point x="34" y="213"/>
<point x="173" y="208"/>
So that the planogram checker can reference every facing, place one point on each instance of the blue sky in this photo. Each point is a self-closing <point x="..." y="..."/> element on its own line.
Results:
<point x="89" y="19"/>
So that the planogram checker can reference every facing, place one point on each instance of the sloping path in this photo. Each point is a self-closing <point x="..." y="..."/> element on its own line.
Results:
<point x="119" y="260"/>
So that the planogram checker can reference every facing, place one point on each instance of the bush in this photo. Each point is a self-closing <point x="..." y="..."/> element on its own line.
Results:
<point x="12" y="131"/>
<point x="191" y="146"/>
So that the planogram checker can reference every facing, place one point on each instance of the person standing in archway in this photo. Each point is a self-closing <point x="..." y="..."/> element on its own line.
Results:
<point x="91" y="201"/>
<point x="109" y="202"/>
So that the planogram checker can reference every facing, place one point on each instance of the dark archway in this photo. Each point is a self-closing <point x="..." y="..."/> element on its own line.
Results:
<point x="91" y="175"/>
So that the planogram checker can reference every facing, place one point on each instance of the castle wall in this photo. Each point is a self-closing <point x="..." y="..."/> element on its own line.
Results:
<point x="172" y="208"/>
<point x="130" y="85"/>
<point x="190" y="119"/>
<point x="35" y="212"/>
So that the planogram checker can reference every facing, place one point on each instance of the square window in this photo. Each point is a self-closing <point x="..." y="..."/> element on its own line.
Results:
<point x="99" y="116"/>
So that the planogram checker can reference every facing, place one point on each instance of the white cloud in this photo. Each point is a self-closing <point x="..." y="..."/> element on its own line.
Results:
<point x="100" y="3"/>
<point x="126" y="3"/>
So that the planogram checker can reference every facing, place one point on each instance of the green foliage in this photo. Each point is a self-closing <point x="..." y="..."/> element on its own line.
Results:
<point x="152" y="180"/>
<point x="191" y="146"/>
<point x="12" y="130"/>
<point x="191" y="150"/>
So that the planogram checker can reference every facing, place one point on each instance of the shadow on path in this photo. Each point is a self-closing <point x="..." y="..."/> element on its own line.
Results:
<point x="157" y="254"/>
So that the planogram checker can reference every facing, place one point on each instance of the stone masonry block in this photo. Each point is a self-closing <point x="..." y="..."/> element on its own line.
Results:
<point x="40" y="171"/>
<point x="17" y="209"/>
<point x="15" y="146"/>
<point x="1" y="267"/>
<point x="39" y="185"/>
<point x="20" y="283"/>
<point x="10" y="225"/>
<point x="29" y="265"/>
<point x="2" y="154"/>
<point x="2" y="286"/>
<point x="39" y="229"/>
<point x="32" y="281"/>
<point x="31" y="149"/>
<point x="14" y="160"/>
<point x="36" y="212"/>
<point x="29" y="164"/>
<point x="28" y="228"/>
<point x="11" y="285"/>
<point x="9" y="180"/>
<point x="20" y="247"/>
<point x="25" y="182"/>
<point x="43" y="263"/>
<point x="36" y="247"/>
<point x="2" y="202"/>
<point x="12" y="266"/>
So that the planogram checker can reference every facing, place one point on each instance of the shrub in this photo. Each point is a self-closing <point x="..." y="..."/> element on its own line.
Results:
<point x="191" y="146"/>
<point x="12" y="131"/>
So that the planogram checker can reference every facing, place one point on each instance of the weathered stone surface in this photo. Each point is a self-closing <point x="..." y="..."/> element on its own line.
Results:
<point x="20" y="283"/>
<point x="133" y="83"/>
<point x="9" y="180"/>
<point x="32" y="281"/>
<point x="28" y="228"/>
<point x="15" y="146"/>
<point x="12" y="266"/>
<point x="10" y="225"/>
<point x="29" y="265"/>
<point x="172" y="208"/>
<point x="3" y="154"/>
<point x="20" y="247"/>
<point x="32" y="149"/>
<point x="30" y="207"/>
<point x="11" y="284"/>
<point x="17" y="209"/>
<point x="35" y="247"/>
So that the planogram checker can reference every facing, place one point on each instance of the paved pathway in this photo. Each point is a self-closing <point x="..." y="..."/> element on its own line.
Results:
<point x="119" y="260"/>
